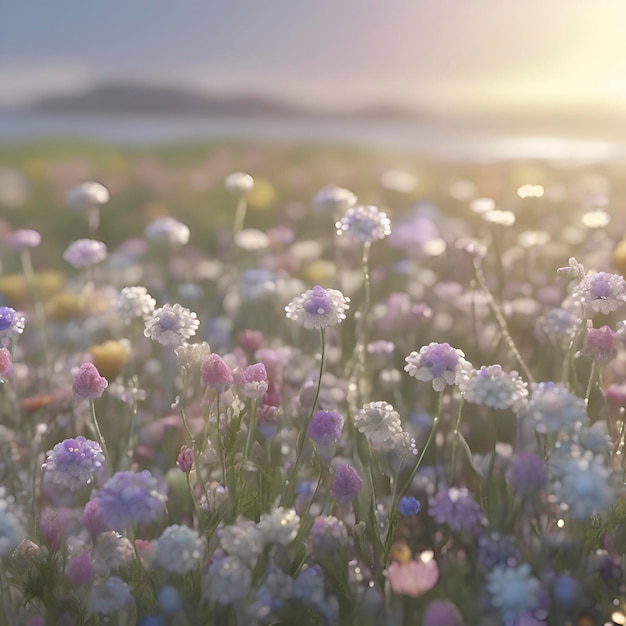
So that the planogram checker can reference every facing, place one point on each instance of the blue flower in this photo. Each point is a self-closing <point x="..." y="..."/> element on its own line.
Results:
<point x="513" y="590"/>
<point x="554" y="408"/>
<point x="409" y="506"/>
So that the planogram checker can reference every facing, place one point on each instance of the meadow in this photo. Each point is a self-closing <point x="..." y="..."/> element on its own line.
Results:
<point x="250" y="383"/>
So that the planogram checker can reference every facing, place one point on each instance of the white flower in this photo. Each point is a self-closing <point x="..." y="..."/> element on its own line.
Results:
<point x="113" y="550"/>
<point x="242" y="540"/>
<point x="180" y="549"/>
<point x="87" y="195"/>
<point x="134" y="302"/>
<point x="171" y="325"/>
<point x="333" y="199"/>
<point x="167" y="230"/>
<point x="318" y="308"/>
<point x="439" y="363"/>
<point x="226" y="580"/>
<point x="364" y="223"/>
<point x="192" y="354"/>
<point x="382" y="427"/>
<point x="279" y="527"/>
<point x="239" y="183"/>
<point x="600" y="292"/>
<point x="493" y="387"/>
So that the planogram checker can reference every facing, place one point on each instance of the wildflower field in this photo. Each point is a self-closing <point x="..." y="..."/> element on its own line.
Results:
<point x="266" y="384"/>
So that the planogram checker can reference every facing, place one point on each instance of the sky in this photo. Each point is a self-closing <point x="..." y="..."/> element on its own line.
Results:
<point x="462" y="55"/>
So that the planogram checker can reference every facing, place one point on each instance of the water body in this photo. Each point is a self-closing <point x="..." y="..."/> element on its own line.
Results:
<point x="429" y="139"/>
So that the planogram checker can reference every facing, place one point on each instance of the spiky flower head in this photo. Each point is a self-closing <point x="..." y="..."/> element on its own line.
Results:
<point x="318" y="308"/>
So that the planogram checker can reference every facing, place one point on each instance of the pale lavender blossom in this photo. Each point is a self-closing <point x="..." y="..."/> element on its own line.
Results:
<point x="600" y="292"/>
<point x="171" y="325"/>
<point x="493" y="387"/>
<point x="325" y="427"/>
<point x="131" y="498"/>
<point x="252" y="381"/>
<point x="226" y="581"/>
<point x="110" y="597"/>
<point x="333" y="199"/>
<point x="84" y="253"/>
<point x="75" y="463"/>
<point x="364" y="223"/>
<point x="555" y="408"/>
<point x="439" y="364"/>
<point x="216" y="373"/>
<point x="457" y="508"/>
<point x="318" y="308"/>
<point x="22" y="239"/>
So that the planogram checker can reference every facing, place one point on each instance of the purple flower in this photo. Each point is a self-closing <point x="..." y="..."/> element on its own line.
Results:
<point x="85" y="253"/>
<point x="325" y="427"/>
<point x="216" y="373"/>
<point x="347" y="483"/>
<point x="80" y="570"/>
<point x="493" y="387"/>
<point x="328" y="536"/>
<point x="409" y="506"/>
<point x="600" y="292"/>
<point x="364" y="223"/>
<point x="318" y="308"/>
<point x="439" y="363"/>
<point x="11" y="322"/>
<point x="131" y="498"/>
<point x="22" y="238"/>
<point x="442" y="613"/>
<point x="527" y="474"/>
<point x="92" y="520"/>
<point x="185" y="459"/>
<point x="457" y="508"/>
<point x="252" y="381"/>
<point x="333" y="199"/>
<point x="88" y="383"/>
<point x="599" y="344"/>
<point x="74" y="463"/>
<point x="167" y="230"/>
<point x="555" y="408"/>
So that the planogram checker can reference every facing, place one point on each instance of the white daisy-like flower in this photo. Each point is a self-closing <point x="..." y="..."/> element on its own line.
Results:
<point x="318" y="308"/>
<point x="171" y="325"/>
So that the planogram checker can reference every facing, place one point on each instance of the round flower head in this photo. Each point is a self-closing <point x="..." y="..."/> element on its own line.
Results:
<point x="364" y="223"/>
<point x="133" y="303"/>
<point x="600" y="292"/>
<point x="325" y="427"/>
<point x="555" y="408"/>
<point x="74" y="463"/>
<point x="180" y="549"/>
<point x="333" y="199"/>
<point x="560" y="325"/>
<point x="527" y="474"/>
<point x="457" y="508"/>
<point x="318" y="308"/>
<point x="11" y="322"/>
<point x="279" y="527"/>
<point x="599" y="344"/>
<point x="22" y="239"/>
<point x="252" y="381"/>
<point x="439" y="363"/>
<point x="409" y="506"/>
<point x="347" y="484"/>
<point x="109" y="597"/>
<point x="328" y="536"/>
<point x="131" y="498"/>
<point x="216" y="373"/>
<point x="493" y="387"/>
<point x="413" y="578"/>
<point x="88" y="384"/>
<point x="167" y="230"/>
<point x="513" y="590"/>
<point x="80" y="570"/>
<point x="239" y="183"/>
<point x="87" y="195"/>
<point x="226" y="581"/>
<point x="442" y="613"/>
<point x="84" y="253"/>
<point x="171" y="325"/>
<point x="185" y="459"/>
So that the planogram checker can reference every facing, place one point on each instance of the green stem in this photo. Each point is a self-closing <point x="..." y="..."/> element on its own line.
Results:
<point x="455" y="442"/>
<point x="99" y="436"/>
<point x="592" y="376"/>
<point x="504" y="328"/>
<point x="290" y="483"/>
<point x="492" y="462"/>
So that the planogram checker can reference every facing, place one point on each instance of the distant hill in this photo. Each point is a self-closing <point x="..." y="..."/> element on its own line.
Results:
<point x="134" y="99"/>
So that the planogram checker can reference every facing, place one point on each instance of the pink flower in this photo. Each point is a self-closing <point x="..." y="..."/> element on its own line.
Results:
<point x="6" y="365"/>
<point x="88" y="383"/>
<point x="414" y="578"/>
<point x="216" y="373"/>
<point x="80" y="570"/>
<point x="252" y="381"/>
